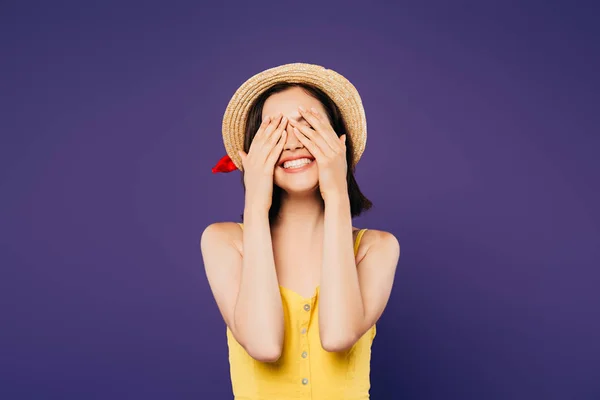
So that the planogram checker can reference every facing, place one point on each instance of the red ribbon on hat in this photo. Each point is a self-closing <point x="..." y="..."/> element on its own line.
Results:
<point x="224" y="165"/>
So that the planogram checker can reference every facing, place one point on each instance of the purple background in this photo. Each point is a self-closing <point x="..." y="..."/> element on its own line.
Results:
<point x="482" y="158"/>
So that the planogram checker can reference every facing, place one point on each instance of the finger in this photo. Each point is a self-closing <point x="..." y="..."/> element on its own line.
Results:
<point x="262" y="135"/>
<point x="264" y="124"/>
<point x="275" y="123"/>
<point x="310" y="145"/>
<point x="326" y="125"/>
<point x="320" y="126"/>
<point x="276" y="152"/>
<point x="270" y="126"/>
<point x="242" y="156"/>
<point x="314" y="137"/>
<point x="273" y="139"/>
<point x="257" y="139"/>
<point x="279" y="122"/>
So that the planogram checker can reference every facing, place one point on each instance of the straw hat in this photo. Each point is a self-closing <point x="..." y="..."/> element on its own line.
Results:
<point x="336" y="86"/>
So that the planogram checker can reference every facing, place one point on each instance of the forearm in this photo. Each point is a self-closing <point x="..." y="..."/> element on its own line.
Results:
<point x="341" y="309"/>
<point x="259" y="312"/>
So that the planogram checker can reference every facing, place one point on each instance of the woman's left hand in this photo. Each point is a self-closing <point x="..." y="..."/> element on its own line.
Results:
<point x="328" y="149"/>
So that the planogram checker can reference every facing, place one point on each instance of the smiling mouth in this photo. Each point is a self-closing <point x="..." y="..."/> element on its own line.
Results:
<point x="297" y="163"/>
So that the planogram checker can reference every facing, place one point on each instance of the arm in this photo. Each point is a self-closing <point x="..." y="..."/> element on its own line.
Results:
<point x="352" y="297"/>
<point x="245" y="287"/>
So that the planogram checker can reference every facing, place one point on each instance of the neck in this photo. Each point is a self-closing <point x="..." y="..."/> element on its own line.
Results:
<point x="302" y="213"/>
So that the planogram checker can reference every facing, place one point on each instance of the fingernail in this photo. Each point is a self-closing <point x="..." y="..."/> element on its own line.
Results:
<point x="301" y="108"/>
<point x="266" y="118"/>
<point x="314" y="110"/>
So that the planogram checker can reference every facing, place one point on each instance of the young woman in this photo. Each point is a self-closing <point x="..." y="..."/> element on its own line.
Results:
<point x="298" y="286"/>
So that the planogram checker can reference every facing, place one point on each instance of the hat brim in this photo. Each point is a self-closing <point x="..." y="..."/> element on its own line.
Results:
<point x="336" y="86"/>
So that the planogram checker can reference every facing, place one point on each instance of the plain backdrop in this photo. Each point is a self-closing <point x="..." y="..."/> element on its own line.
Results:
<point x="482" y="158"/>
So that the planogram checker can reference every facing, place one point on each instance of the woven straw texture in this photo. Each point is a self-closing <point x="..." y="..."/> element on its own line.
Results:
<point x="336" y="86"/>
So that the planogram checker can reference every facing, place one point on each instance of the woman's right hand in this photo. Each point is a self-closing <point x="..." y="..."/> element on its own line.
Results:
<point x="259" y="162"/>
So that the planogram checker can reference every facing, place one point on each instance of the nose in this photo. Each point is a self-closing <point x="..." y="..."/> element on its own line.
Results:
<point x="292" y="142"/>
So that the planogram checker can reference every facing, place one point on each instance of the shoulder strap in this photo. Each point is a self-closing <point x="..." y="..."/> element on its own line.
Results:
<point x="359" y="236"/>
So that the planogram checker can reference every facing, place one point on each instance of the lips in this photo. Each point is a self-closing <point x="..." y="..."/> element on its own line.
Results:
<point x="297" y="169"/>
<point x="291" y="158"/>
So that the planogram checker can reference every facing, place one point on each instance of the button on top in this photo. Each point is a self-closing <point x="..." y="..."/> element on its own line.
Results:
<point x="304" y="354"/>
<point x="304" y="381"/>
<point x="306" y="307"/>
<point x="303" y="331"/>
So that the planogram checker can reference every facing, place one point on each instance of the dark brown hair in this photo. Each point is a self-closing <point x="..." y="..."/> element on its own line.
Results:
<point x="358" y="202"/>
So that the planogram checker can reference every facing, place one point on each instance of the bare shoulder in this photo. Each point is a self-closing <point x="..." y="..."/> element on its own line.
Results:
<point x="218" y="234"/>
<point x="378" y="241"/>
<point x="222" y="263"/>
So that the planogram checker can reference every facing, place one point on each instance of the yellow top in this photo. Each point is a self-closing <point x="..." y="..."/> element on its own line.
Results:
<point x="304" y="370"/>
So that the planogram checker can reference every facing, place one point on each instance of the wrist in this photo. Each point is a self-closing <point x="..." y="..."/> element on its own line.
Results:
<point x="335" y="199"/>
<point x="255" y="212"/>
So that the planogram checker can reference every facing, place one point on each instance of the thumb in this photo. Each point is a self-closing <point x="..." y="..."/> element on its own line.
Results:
<point x="242" y="155"/>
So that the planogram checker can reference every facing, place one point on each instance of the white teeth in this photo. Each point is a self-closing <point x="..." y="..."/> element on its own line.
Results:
<point x="296" y="163"/>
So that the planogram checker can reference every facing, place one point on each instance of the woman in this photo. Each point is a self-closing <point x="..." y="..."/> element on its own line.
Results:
<point x="299" y="287"/>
